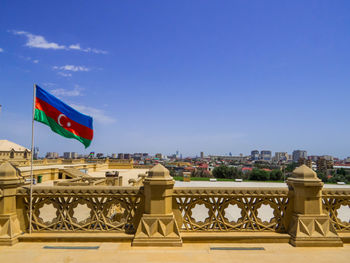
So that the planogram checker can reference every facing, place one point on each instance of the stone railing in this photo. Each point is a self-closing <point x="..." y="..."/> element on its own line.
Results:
<point x="53" y="161"/>
<point x="143" y="166"/>
<point x="83" y="181"/>
<point x="157" y="214"/>
<point x="110" y="163"/>
<point x="232" y="209"/>
<point x="336" y="203"/>
<point x="83" y="209"/>
<point x="90" y="181"/>
<point x="73" y="161"/>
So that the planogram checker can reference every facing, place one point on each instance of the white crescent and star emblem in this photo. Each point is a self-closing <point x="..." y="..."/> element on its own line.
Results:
<point x="59" y="120"/>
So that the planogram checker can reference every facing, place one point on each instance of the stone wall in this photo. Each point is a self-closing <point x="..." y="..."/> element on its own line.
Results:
<point x="155" y="213"/>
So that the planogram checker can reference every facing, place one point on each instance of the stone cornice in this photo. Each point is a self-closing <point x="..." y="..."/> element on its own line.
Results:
<point x="79" y="190"/>
<point x="279" y="191"/>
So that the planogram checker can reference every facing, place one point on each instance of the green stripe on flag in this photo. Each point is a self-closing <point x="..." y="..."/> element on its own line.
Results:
<point x="55" y="127"/>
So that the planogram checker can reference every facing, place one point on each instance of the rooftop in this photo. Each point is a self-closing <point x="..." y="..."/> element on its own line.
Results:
<point x="6" y="145"/>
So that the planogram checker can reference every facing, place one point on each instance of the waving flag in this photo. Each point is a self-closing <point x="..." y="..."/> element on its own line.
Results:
<point x="62" y="118"/>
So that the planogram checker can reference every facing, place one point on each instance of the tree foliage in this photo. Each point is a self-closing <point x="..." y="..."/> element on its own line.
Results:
<point x="259" y="175"/>
<point x="276" y="175"/>
<point x="227" y="172"/>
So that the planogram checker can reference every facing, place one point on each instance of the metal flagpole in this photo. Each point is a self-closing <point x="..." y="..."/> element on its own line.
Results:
<point x="31" y="165"/>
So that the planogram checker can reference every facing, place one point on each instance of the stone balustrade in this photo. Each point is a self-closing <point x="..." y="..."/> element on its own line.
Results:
<point x="232" y="209"/>
<point x="155" y="213"/>
<point x="109" y="163"/>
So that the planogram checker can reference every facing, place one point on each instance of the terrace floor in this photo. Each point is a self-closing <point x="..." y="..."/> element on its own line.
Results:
<point x="198" y="252"/>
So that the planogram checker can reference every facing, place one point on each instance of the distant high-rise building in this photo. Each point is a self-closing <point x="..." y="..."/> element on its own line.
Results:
<point x="328" y="157"/>
<point x="297" y="154"/>
<point x="265" y="155"/>
<point x="67" y="155"/>
<point x="202" y="155"/>
<point x="120" y="155"/>
<point x="70" y="155"/>
<point x="307" y="162"/>
<point x="159" y="155"/>
<point x="324" y="165"/>
<point x="137" y="156"/>
<point x="313" y="158"/>
<point x="114" y="155"/>
<point x="52" y="155"/>
<point x="281" y="156"/>
<point x="127" y="156"/>
<point x="99" y="155"/>
<point x="255" y="155"/>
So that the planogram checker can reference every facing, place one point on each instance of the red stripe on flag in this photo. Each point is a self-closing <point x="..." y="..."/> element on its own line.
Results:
<point x="63" y="120"/>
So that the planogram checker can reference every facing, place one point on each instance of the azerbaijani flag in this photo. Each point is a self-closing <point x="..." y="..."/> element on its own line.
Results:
<point x="62" y="118"/>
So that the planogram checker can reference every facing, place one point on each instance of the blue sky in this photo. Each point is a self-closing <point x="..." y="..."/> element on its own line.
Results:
<point x="161" y="76"/>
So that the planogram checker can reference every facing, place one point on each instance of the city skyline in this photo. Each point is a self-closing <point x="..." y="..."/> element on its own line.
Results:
<point x="254" y="155"/>
<point x="188" y="76"/>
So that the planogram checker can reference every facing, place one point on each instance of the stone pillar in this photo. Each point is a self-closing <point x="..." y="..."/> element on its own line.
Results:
<point x="309" y="226"/>
<point x="9" y="223"/>
<point x="158" y="226"/>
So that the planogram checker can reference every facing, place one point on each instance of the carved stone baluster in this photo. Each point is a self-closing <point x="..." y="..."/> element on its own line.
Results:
<point x="309" y="226"/>
<point x="9" y="223"/>
<point x="158" y="226"/>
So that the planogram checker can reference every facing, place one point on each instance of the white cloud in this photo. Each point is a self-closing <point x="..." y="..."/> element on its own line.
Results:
<point x="97" y="114"/>
<point x="76" y="46"/>
<point x="93" y="50"/>
<point x="63" y="74"/>
<point x="96" y="51"/>
<point x="1" y="50"/>
<point x="71" y="68"/>
<point x="35" y="61"/>
<point x="49" y="84"/>
<point x="37" y="41"/>
<point x="76" y="91"/>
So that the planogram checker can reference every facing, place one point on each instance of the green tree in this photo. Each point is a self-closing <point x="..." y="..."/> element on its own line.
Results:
<point x="233" y="173"/>
<point x="220" y="171"/>
<point x="259" y="175"/>
<point x="290" y="167"/>
<point x="341" y="171"/>
<point x="322" y="176"/>
<point x="276" y="175"/>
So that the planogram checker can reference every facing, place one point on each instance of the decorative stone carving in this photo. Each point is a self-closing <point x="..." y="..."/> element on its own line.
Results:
<point x="336" y="203"/>
<point x="9" y="223"/>
<point x="85" y="209"/>
<point x="244" y="203"/>
<point x="158" y="226"/>
<point x="309" y="225"/>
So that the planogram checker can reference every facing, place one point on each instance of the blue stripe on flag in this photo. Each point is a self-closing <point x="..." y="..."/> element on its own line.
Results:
<point x="64" y="108"/>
